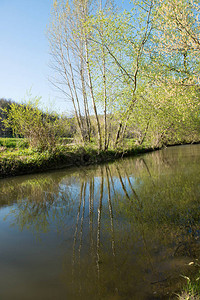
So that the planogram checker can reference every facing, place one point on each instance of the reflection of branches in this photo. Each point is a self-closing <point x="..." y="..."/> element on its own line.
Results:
<point x="122" y="184"/>
<point x="111" y="212"/>
<point x="82" y="219"/>
<point x="139" y="214"/>
<point x="76" y="230"/>
<point x="81" y="229"/>
<point x="99" y="225"/>
<point x="134" y="192"/>
<point x="111" y="178"/>
<point x="144" y="162"/>
<point x="91" y="208"/>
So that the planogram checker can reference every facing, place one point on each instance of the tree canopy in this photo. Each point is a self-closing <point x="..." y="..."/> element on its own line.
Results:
<point x="137" y="68"/>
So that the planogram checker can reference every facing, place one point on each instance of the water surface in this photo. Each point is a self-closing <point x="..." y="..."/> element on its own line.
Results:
<point x="125" y="230"/>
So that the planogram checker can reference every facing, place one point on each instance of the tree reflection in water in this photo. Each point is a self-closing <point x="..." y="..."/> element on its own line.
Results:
<point x="132" y="226"/>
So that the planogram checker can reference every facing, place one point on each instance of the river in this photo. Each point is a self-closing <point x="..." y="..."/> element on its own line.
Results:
<point x="124" y="230"/>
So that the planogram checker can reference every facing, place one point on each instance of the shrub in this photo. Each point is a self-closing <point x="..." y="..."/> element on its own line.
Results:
<point x="42" y="130"/>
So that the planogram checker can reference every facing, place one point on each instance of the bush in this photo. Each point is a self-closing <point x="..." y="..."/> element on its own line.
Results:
<point x="42" y="130"/>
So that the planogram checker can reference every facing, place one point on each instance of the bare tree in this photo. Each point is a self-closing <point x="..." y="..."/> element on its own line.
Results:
<point x="67" y="48"/>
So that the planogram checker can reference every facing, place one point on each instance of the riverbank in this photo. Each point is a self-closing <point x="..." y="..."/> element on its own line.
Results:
<point x="28" y="162"/>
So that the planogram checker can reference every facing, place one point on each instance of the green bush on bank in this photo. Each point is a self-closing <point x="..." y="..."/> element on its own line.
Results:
<point x="42" y="130"/>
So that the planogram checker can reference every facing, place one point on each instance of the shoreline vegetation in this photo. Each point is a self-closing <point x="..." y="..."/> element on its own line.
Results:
<point x="16" y="159"/>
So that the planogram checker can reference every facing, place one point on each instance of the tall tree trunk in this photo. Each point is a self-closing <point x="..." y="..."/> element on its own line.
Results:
<point x="92" y="95"/>
<point x="105" y="101"/>
<point x="85" y="100"/>
<point x="78" y="118"/>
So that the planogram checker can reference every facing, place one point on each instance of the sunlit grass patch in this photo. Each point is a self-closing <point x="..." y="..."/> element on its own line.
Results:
<point x="13" y="143"/>
<point x="191" y="291"/>
<point x="12" y="152"/>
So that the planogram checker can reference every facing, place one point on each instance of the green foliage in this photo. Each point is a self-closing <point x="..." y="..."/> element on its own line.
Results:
<point x="192" y="288"/>
<point x="143" y="63"/>
<point x="165" y="114"/>
<point x="4" y="108"/>
<point x="13" y="143"/>
<point x="42" y="130"/>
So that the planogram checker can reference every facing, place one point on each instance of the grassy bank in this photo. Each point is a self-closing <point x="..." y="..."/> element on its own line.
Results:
<point x="18" y="161"/>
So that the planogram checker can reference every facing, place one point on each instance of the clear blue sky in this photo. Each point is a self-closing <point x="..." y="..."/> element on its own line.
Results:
<point x="24" y="56"/>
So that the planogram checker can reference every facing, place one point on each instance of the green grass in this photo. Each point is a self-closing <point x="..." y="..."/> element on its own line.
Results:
<point x="13" y="143"/>
<point x="192" y="289"/>
<point x="16" y="159"/>
<point x="65" y="141"/>
<point x="16" y="152"/>
<point x="21" y="143"/>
